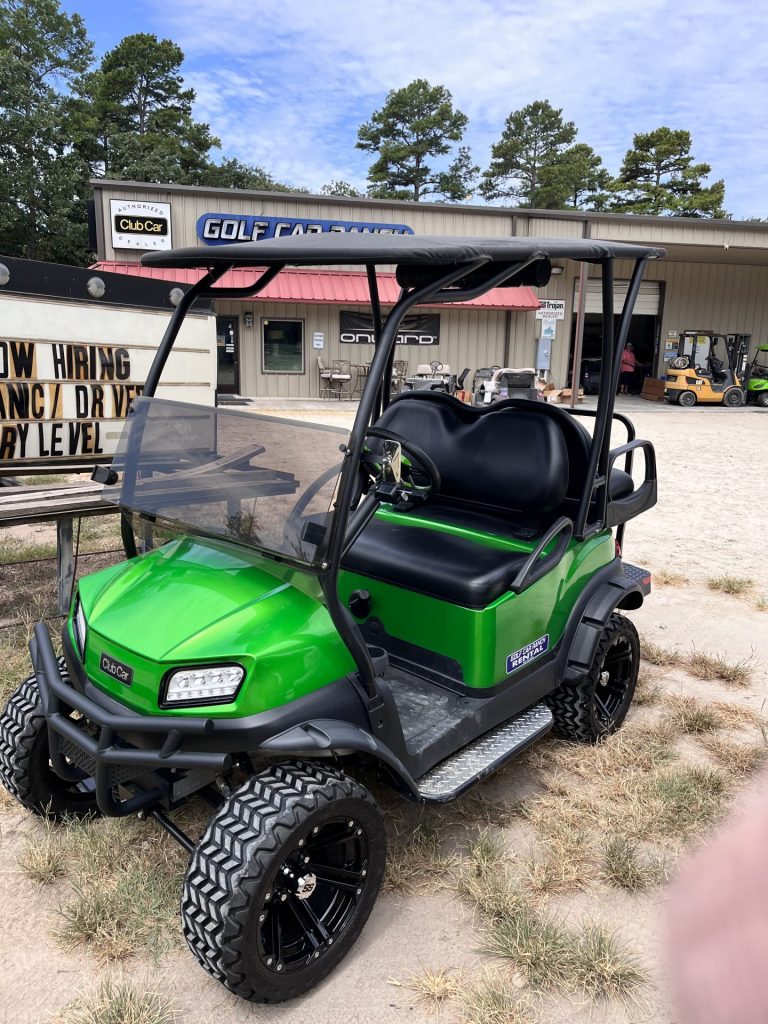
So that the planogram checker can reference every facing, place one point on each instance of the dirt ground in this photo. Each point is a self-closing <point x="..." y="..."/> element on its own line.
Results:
<point x="710" y="520"/>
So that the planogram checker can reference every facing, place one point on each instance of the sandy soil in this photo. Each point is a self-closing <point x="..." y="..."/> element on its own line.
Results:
<point x="710" y="519"/>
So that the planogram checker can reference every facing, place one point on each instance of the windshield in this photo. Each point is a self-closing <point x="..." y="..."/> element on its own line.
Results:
<point x="259" y="480"/>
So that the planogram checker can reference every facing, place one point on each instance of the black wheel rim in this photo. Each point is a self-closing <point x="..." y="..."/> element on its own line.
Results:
<point x="613" y="684"/>
<point x="313" y="895"/>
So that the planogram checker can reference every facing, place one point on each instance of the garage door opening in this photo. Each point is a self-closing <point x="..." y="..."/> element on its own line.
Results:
<point x="643" y="333"/>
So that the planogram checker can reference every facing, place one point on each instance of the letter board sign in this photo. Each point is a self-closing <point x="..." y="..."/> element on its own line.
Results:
<point x="417" y="329"/>
<point x="140" y="225"/>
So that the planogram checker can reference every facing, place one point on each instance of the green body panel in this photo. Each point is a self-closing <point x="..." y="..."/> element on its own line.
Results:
<point x="481" y="640"/>
<point x="194" y="602"/>
<point x="758" y="384"/>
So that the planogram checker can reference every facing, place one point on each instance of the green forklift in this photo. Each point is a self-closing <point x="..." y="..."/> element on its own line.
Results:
<point x="757" y="378"/>
<point x="418" y="599"/>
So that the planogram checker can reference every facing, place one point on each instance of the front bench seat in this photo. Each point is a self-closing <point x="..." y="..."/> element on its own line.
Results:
<point x="507" y="464"/>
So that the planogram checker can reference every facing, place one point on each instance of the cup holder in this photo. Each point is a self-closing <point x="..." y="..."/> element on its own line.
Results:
<point x="380" y="659"/>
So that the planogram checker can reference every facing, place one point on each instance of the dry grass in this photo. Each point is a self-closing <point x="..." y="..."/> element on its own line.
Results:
<point x="735" y="585"/>
<point x="42" y="857"/>
<point x="118" y="905"/>
<point x="762" y="603"/>
<point x="738" y="716"/>
<point x="735" y="758"/>
<point x="550" y="956"/>
<point x="492" y="999"/>
<point x="483" y="877"/>
<point x="14" y="660"/>
<point x="627" y="867"/>
<point x="689" y="715"/>
<point x="478" y="810"/>
<point x="669" y="578"/>
<point x="648" y="691"/>
<point x="433" y="988"/>
<point x="658" y="654"/>
<point x="121" y="1003"/>
<point x="416" y="860"/>
<point x="14" y="550"/>
<point x="715" y="666"/>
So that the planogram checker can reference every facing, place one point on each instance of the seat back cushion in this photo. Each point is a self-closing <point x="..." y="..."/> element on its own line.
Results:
<point x="505" y="455"/>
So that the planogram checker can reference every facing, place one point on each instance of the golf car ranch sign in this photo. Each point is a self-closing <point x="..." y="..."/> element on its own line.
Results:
<point x="55" y="397"/>
<point x="222" y="228"/>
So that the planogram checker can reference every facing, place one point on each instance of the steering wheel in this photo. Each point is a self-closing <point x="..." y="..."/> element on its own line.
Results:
<point x="435" y="366"/>
<point x="420" y="476"/>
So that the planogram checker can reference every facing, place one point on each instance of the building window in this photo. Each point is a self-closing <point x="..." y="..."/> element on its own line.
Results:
<point x="283" y="346"/>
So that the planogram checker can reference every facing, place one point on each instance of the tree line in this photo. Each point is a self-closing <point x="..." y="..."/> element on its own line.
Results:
<point x="64" y="119"/>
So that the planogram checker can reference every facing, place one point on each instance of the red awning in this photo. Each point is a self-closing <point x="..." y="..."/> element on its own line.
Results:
<point x="321" y="287"/>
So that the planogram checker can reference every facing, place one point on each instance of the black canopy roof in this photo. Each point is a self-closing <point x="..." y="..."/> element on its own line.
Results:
<point x="327" y="249"/>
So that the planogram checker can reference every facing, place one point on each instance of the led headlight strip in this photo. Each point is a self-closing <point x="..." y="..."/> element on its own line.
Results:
<point x="212" y="684"/>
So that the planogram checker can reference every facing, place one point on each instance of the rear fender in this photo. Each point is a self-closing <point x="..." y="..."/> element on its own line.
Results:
<point x="617" y="591"/>
<point x="329" y="737"/>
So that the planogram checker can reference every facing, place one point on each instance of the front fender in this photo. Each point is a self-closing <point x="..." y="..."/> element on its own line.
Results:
<point x="327" y="737"/>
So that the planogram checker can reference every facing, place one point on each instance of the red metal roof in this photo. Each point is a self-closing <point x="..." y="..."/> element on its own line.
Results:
<point x="321" y="287"/>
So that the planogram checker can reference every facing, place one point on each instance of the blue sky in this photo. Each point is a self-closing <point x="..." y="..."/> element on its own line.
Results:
<point x="285" y="83"/>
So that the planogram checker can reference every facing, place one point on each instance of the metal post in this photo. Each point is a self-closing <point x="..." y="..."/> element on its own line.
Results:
<point x="65" y="565"/>
<point x="578" y="340"/>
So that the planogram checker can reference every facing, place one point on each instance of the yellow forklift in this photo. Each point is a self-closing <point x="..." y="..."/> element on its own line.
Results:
<point x="698" y="373"/>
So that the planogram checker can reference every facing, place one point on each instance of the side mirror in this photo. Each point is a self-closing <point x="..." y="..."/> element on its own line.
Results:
<point x="392" y="462"/>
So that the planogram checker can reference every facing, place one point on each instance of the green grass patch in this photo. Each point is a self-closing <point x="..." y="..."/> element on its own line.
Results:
<point x="14" y="550"/>
<point x="627" y="867"/>
<point x="492" y="999"/>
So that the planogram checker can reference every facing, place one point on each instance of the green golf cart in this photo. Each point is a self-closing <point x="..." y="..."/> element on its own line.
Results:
<point x="757" y="378"/>
<point x="423" y="597"/>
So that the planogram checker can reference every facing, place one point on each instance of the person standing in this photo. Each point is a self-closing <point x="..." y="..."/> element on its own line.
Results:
<point x="628" y="369"/>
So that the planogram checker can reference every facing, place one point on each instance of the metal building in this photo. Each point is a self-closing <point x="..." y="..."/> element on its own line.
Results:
<point x="715" y="278"/>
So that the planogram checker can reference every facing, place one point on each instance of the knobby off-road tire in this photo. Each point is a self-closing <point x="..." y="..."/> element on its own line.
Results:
<point x="25" y="769"/>
<point x="597" y="705"/>
<point x="240" y="906"/>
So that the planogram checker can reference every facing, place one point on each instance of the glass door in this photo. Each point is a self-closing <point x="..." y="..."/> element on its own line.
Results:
<point x="227" y="355"/>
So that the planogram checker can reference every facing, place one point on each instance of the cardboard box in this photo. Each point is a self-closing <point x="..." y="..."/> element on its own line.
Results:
<point x="565" y="396"/>
<point x="653" y="390"/>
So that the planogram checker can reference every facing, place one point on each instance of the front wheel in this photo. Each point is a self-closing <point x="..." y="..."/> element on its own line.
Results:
<point x="283" y="880"/>
<point x="597" y="705"/>
<point x="733" y="398"/>
<point x="25" y="767"/>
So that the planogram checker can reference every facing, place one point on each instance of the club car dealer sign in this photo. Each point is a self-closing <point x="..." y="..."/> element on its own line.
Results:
<point x="137" y="225"/>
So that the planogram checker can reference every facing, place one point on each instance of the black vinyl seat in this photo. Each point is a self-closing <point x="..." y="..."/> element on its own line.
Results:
<point x="508" y="470"/>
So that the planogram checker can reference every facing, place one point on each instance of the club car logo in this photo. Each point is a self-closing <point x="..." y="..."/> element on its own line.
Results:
<point x="527" y="653"/>
<point x="122" y="673"/>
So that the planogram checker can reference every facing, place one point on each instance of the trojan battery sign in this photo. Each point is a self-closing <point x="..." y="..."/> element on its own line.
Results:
<point x="137" y="225"/>
<point x="69" y="372"/>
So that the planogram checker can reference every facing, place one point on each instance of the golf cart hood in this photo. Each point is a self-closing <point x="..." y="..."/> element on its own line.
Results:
<point x="196" y="601"/>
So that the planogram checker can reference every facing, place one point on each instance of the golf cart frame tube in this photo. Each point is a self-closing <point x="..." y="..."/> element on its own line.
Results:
<point x="612" y="349"/>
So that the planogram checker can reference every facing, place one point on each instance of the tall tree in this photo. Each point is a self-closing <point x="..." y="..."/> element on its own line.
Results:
<point x="416" y="124"/>
<point x="145" y="128"/>
<point x="340" y="188"/>
<point x="532" y="140"/>
<point x="232" y="173"/>
<point x="43" y="182"/>
<point x="659" y="177"/>
<point x="575" y="179"/>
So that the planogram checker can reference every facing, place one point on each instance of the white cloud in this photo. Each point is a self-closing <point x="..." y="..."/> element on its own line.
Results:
<point x="285" y="84"/>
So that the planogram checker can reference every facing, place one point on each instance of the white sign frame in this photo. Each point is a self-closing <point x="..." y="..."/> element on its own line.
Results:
<point x="123" y="213"/>
<point x="551" y="309"/>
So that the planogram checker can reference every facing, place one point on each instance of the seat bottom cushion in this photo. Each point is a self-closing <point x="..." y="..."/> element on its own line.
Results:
<point x="442" y="565"/>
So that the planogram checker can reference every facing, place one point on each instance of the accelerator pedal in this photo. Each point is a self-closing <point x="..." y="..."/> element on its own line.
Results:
<point x="451" y="777"/>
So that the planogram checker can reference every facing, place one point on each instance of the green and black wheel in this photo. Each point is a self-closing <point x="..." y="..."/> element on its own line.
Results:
<point x="25" y="768"/>
<point x="282" y="882"/>
<point x="686" y="399"/>
<point x="597" y="705"/>
<point x="762" y="399"/>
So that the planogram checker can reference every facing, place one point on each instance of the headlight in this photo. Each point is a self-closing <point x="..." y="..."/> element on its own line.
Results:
<point x="216" y="684"/>
<point x="81" y="628"/>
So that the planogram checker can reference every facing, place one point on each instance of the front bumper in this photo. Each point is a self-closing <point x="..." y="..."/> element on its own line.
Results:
<point x="116" y="746"/>
<point x="96" y="742"/>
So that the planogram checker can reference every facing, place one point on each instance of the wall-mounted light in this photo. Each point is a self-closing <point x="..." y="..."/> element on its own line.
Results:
<point x="175" y="296"/>
<point x="5" y="275"/>
<point x="96" y="287"/>
<point x="248" y="319"/>
<point x="556" y="271"/>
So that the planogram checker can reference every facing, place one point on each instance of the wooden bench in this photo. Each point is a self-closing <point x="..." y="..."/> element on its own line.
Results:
<point x="32" y="503"/>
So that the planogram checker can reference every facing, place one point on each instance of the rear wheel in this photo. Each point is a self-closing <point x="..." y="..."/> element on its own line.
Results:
<point x="283" y="881"/>
<point x="597" y="705"/>
<point x="733" y="398"/>
<point x="25" y="768"/>
<point x="762" y="399"/>
<point x="686" y="399"/>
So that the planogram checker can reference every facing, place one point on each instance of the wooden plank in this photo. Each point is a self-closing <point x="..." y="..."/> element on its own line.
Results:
<point x="65" y="563"/>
